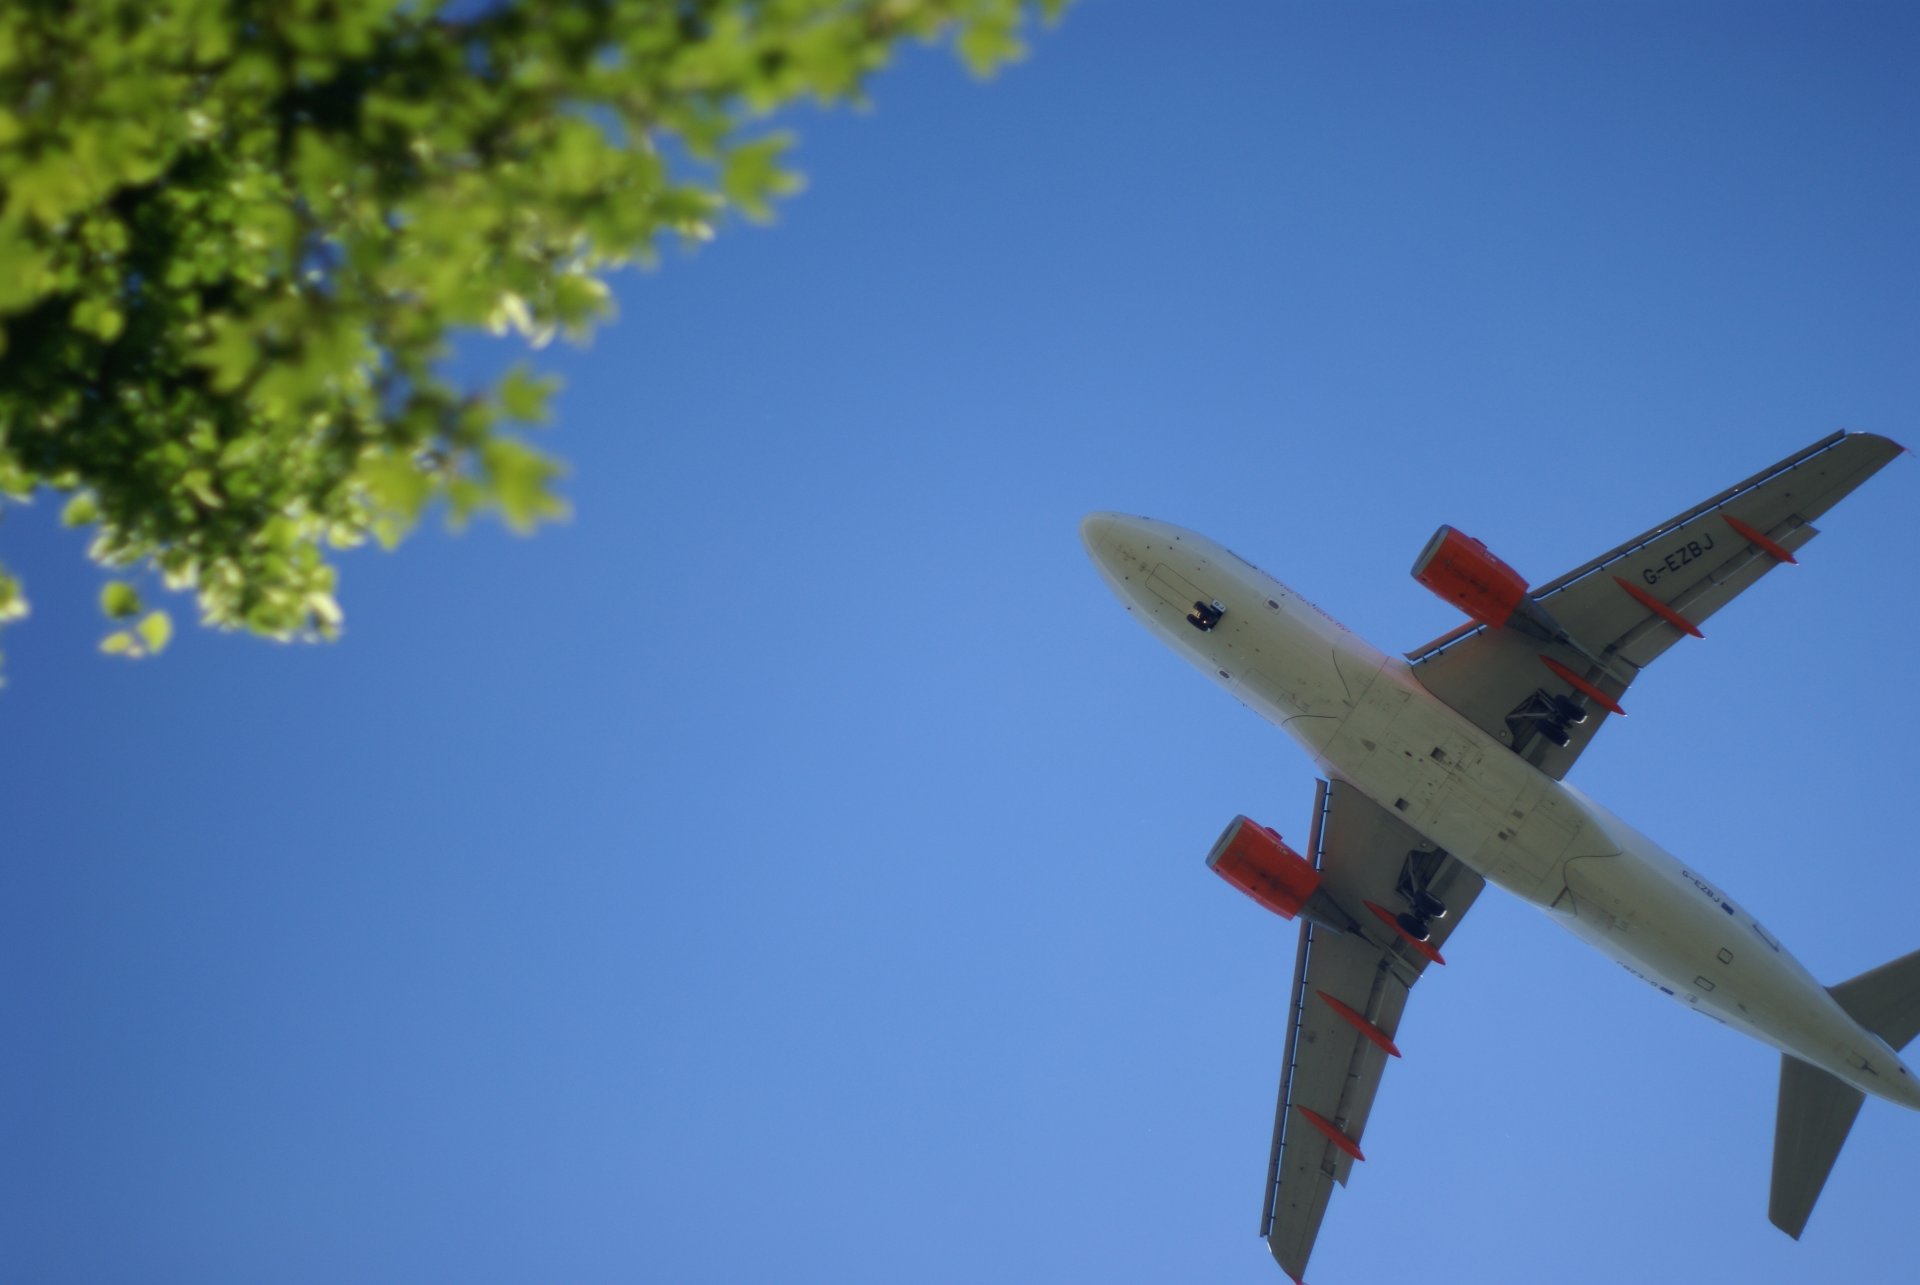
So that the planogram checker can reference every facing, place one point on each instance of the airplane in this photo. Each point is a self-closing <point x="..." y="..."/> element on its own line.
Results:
<point x="1444" y="772"/>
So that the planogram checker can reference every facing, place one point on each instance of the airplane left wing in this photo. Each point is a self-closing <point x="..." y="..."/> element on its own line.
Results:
<point x="1349" y="990"/>
<point x="1619" y="612"/>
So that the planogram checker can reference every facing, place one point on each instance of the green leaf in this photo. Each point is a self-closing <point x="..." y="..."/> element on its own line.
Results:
<point x="13" y="602"/>
<point x="324" y="615"/>
<point x="156" y="631"/>
<point x="397" y="487"/>
<point x="229" y="352"/>
<point x="521" y="481"/>
<point x="523" y="397"/>
<point x="236" y="249"/>
<point x="579" y="300"/>
<point x="15" y="479"/>
<point x="991" y="40"/>
<point x="100" y="318"/>
<point x="199" y="483"/>
<point x="119" y="600"/>
<point x="30" y="270"/>
<point x="81" y="510"/>
<point x="751" y="176"/>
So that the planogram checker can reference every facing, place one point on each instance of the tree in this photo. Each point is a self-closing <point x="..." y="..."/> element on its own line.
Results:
<point x="235" y="239"/>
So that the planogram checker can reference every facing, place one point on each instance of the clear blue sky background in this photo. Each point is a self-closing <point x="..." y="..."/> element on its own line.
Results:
<point x="791" y="868"/>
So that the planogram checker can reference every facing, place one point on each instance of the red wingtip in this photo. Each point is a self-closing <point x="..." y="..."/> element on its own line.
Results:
<point x="1386" y="917"/>
<point x="1760" y="541"/>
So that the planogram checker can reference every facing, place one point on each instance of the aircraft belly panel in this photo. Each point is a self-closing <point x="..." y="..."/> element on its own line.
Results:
<point x="1292" y="681"/>
<point x="1457" y="787"/>
<point x="1357" y="742"/>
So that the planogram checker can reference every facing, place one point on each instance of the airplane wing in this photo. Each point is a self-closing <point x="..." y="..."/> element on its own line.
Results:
<point x="1623" y="609"/>
<point x="1348" y="993"/>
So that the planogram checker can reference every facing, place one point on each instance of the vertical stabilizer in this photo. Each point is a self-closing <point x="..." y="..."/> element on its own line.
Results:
<point x="1886" y="1001"/>
<point x="1816" y="1113"/>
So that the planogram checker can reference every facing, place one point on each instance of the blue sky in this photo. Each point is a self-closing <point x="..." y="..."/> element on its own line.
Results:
<point x="791" y="868"/>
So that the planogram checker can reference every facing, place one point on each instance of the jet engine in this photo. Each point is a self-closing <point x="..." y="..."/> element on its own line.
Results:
<point x="1463" y="571"/>
<point x="1259" y="863"/>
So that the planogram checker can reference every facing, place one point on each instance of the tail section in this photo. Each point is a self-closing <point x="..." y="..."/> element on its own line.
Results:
<point x="1886" y="1001"/>
<point x="1817" y="1110"/>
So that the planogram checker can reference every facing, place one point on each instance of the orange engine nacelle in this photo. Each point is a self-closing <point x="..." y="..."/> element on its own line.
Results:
<point x="1460" y="569"/>
<point x="1256" y="861"/>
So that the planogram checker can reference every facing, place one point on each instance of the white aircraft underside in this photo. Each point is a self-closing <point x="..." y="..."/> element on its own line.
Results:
<point x="1463" y="748"/>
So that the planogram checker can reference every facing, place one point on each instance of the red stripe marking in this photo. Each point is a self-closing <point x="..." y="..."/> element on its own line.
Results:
<point x="1373" y="1033"/>
<point x="1386" y="917"/>
<point x="1601" y="698"/>
<point x="1760" y="541"/>
<point x="1659" y="608"/>
<point x="1332" y="1131"/>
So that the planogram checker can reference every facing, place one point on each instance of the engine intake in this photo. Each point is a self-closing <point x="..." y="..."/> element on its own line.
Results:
<point x="1463" y="571"/>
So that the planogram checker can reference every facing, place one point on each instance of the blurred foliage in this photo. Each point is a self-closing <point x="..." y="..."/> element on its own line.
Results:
<point x="235" y="239"/>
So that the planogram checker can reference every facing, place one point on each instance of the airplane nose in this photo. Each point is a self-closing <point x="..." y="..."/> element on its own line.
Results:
<point x="1097" y="529"/>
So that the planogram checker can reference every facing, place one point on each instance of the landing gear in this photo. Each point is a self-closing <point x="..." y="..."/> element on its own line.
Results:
<point x="1414" y="926"/>
<point x="1424" y="906"/>
<point x="1568" y="710"/>
<point x="1205" y="615"/>
<point x="1549" y="715"/>
<point x="1565" y="712"/>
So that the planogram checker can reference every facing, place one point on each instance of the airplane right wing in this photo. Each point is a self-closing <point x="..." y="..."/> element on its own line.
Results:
<point x="1349" y="990"/>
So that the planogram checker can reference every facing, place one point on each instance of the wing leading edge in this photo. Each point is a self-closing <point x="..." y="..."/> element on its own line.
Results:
<point x="1627" y="606"/>
<point x="1349" y="990"/>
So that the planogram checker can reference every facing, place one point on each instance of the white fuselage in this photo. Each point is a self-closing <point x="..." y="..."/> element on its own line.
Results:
<point x="1367" y="720"/>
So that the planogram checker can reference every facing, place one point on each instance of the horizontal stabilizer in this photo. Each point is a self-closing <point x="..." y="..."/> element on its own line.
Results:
<point x="1816" y="1113"/>
<point x="1886" y="1001"/>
